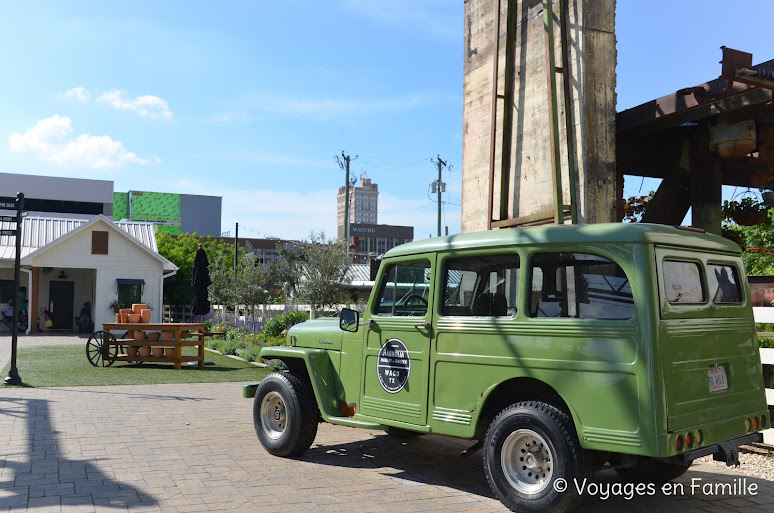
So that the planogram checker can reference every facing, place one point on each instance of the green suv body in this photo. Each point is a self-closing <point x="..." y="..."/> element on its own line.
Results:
<point x="558" y="348"/>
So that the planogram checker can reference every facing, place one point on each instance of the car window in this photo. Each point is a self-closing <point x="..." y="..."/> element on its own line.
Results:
<point x="683" y="283"/>
<point x="723" y="281"/>
<point x="580" y="286"/>
<point x="405" y="289"/>
<point x="485" y="286"/>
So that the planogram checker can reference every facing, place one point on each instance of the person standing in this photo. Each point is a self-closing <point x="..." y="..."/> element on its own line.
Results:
<point x="8" y="315"/>
<point x="22" y="299"/>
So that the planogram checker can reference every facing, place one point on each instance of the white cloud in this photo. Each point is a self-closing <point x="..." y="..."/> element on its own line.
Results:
<point x="52" y="139"/>
<point x="146" y="105"/>
<point x="79" y="93"/>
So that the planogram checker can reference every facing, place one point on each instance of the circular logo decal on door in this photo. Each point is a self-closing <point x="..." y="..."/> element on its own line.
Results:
<point x="393" y="365"/>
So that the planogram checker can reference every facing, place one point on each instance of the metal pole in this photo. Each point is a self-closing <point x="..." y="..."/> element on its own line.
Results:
<point x="440" y="163"/>
<point x="236" y="245"/>
<point x="13" y="377"/>
<point x="346" y="201"/>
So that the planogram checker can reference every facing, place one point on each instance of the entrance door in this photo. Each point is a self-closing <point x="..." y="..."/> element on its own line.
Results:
<point x="398" y="340"/>
<point x="61" y="295"/>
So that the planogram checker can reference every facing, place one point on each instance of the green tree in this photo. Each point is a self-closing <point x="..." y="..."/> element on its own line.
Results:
<point x="323" y="277"/>
<point x="250" y="285"/>
<point x="285" y="272"/>
<point x="757" y="241"/>
<point x="222" y="290"/>
<point x="181" y="250"/>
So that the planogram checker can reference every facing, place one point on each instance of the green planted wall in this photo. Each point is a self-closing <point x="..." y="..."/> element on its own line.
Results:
<point x="157" y="207"/>
<point x="120" y="206"/>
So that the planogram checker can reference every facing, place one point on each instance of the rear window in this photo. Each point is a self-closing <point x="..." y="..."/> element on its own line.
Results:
<point x="580" y="286"/>
<point x="682" y="282"/>
<point x="723" y="283"/>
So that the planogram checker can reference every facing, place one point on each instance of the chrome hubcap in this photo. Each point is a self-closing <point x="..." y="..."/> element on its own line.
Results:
<point x="273" y="415"/>
<point x="527" y="461"/>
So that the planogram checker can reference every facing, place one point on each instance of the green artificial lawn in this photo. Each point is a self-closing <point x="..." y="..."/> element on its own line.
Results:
<point x="67" y="366"/>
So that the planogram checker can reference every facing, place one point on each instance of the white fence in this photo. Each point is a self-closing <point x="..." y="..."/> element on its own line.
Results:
<point x="766" y="314"/>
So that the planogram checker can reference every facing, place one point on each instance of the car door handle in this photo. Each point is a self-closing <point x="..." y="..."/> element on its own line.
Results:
<point x="421" y="325"/>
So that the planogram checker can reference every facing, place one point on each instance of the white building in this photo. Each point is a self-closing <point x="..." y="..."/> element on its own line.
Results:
<point x="68" y="262"/>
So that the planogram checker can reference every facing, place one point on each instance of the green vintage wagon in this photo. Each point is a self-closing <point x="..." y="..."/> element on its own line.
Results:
<point x="556" y="349"/>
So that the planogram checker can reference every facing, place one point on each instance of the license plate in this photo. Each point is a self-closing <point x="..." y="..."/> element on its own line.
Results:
<point x="717" y="378"/>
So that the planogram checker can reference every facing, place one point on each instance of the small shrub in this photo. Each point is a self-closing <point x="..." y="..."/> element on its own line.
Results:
<point x="274" y="327"/>
<point x="274" y="341"/>
<point x="250" y="354"/>
<point x="276" y="365"/>
<point x="766" y="343"/>
<point x="230" y="347"/>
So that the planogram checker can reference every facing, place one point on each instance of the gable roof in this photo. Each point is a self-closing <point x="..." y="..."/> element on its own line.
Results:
<point x="43" y="233"/>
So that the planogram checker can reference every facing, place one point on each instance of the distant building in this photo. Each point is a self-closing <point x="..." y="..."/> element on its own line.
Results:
<point x="368" y="239"/>
<point x="172" y="213"/>
<point x="79" y="198"/>
<point x="363" y="202"/>
<point x="267" y="250"/>
<point x="51" y="196"/>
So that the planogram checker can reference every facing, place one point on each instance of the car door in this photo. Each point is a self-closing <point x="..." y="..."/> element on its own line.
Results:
<point x="398" y="340"/>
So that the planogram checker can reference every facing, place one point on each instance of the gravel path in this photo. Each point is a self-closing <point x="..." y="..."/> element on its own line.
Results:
<point x="755" y="460"/>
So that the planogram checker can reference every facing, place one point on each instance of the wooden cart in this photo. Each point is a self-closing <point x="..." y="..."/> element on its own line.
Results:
<point x="103" y="348"/>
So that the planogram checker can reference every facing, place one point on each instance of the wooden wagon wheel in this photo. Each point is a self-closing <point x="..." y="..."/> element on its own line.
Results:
<point x="101" y="349"/>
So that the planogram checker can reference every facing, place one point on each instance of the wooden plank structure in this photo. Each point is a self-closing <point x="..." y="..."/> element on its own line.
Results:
<point x="186" y="334"/>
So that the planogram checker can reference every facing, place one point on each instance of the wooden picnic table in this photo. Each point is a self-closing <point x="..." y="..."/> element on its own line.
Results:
<point x="186" y="334"/>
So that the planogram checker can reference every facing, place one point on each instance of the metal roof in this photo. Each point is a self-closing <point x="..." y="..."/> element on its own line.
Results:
<point x="38" y="232"/>
<point x="359" y="274"/>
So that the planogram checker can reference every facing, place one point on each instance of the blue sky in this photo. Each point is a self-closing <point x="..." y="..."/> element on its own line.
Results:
<point x="251" y="101"/>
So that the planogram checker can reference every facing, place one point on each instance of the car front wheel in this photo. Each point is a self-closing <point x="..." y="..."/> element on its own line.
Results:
<point x="285" y="414"/>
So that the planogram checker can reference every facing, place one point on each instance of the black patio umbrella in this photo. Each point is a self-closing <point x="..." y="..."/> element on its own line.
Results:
<point x="200" y="282"/>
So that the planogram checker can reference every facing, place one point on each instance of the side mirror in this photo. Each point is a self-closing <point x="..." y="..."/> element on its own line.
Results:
<point x="349" y="320"/>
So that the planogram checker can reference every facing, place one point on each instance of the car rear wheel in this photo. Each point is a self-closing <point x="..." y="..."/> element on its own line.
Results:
<point x="532" y="458"/>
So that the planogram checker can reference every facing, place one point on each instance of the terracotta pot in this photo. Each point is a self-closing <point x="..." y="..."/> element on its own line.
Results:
<point x="137" y="307"/>
<point x="139" y="336"/>
<point x="169" y="352"/>
<point x="131" y="351"/>
<point x="153" y="336"/>
<point x="144" y="351"/>
<point x="125" y="310"/>
<point x="134" y="318"/>
<point x="145" y="315"/>
<point x="158" y="352"/>
<point x="167" y="336"/>
<point x="118" y="317"/>
<point x="124" y="317"/>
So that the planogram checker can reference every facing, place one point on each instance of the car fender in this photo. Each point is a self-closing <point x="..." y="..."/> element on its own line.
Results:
<point x="319" y="369"/>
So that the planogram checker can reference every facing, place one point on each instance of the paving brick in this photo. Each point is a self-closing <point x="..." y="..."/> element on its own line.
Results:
<point x="146" y="459"/>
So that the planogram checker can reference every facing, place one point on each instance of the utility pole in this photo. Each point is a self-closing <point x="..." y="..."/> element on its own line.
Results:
<point x="345" y="166"/>
<point x="440" y="187"/>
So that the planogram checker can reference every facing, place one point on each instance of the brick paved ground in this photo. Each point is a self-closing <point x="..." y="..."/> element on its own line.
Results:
<point x="188" y="448"/>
